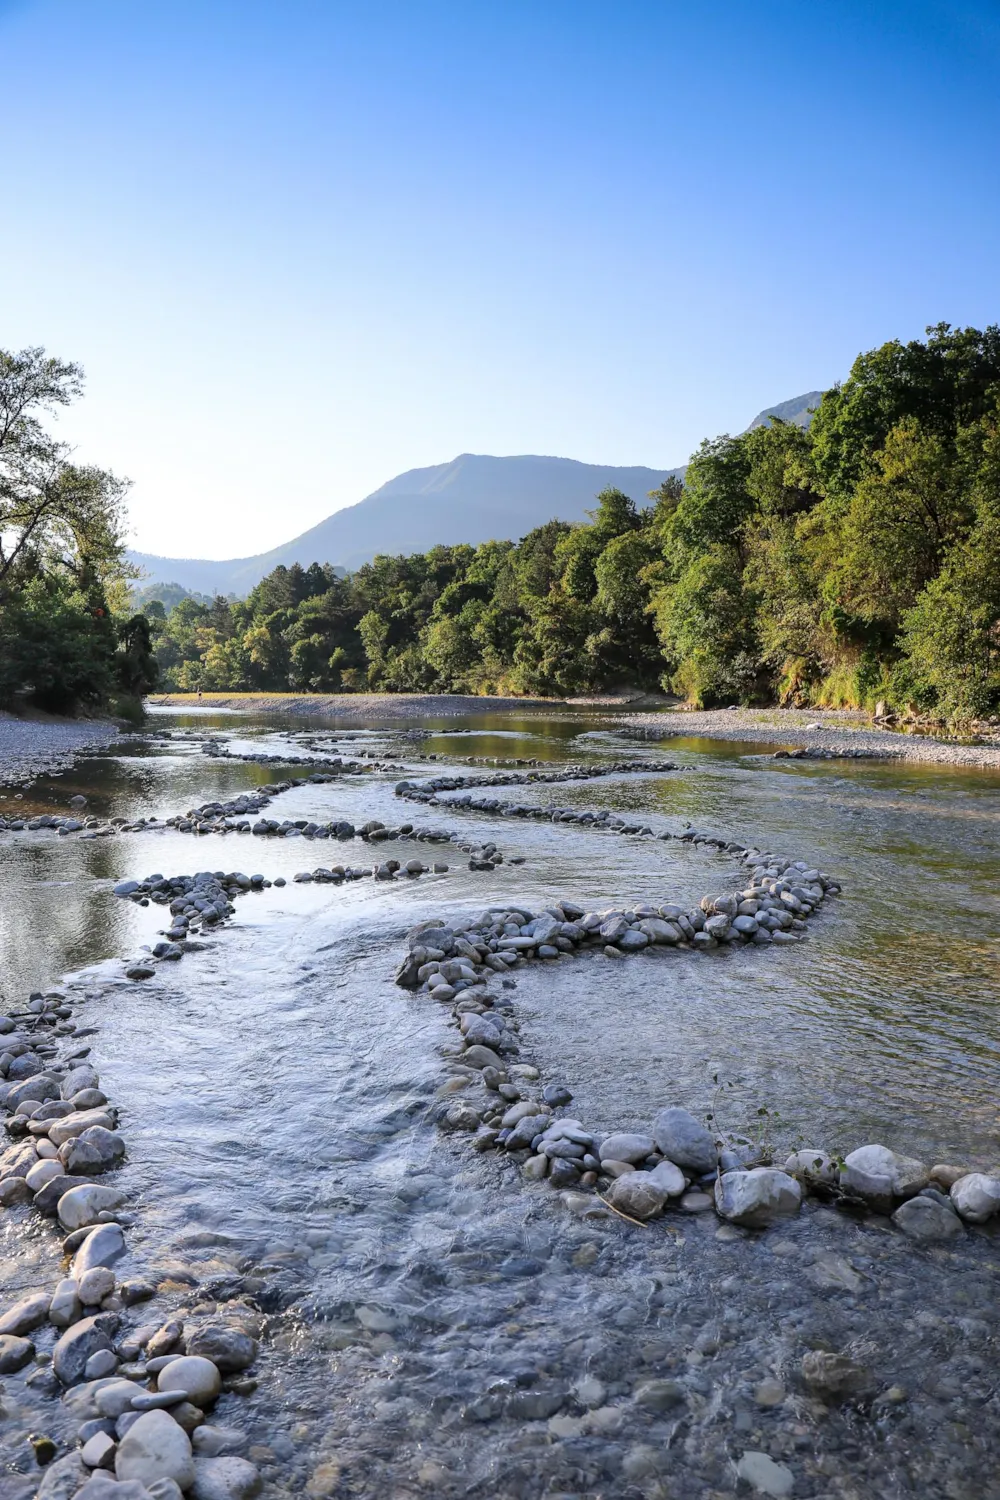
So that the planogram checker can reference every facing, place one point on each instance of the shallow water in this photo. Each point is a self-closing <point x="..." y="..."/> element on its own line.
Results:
<point x="432" y="1314"/>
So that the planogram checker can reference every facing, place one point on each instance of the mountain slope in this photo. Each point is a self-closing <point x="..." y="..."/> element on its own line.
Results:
<point x="798" y="411"/>
<point x="475" y="498"/>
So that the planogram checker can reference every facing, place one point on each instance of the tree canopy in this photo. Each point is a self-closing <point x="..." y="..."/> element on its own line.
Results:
<point x="68" y="636"/>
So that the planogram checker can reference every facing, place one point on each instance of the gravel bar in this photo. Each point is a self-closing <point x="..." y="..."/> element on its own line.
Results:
<point x="29" y="748"/>
<point x="819" y="732"/>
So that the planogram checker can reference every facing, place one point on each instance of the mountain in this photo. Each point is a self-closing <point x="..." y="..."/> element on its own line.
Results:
<point x="475" y="498"/>
<point x="798" y="411"/>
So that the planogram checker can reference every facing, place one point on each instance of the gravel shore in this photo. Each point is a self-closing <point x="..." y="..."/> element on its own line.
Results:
<point x="837" y="732"/>
<point x="356" y="705"/>
<point x="30" y="748"/>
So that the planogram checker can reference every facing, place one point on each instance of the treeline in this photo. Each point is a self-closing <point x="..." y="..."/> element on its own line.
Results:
<point x="69" y="637"/>
<point x="855" y="561"/>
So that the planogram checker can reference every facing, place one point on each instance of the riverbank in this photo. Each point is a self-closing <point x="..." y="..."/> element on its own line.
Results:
<point x="837" y="732"/>
<point x="390" y="705"/>
<point x="39" y="747"/>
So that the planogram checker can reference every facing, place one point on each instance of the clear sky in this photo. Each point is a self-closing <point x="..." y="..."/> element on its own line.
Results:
<point x="300" y="247"/>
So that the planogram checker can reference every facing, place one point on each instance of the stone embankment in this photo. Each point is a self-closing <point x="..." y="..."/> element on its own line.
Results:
<point x="676" y="1163"/>
<point x="138" y="1388"/>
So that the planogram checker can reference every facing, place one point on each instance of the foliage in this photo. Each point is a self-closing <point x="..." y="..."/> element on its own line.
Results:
<point x="66" y="636"/>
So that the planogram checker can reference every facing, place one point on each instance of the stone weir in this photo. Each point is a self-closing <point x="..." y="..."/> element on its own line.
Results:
<point x="677" y="1163"/>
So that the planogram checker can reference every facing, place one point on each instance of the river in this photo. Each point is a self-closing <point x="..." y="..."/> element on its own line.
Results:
<point x="435" y="1325"/>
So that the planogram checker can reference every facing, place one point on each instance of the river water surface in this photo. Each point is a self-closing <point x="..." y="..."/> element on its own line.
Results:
<point x="436" y="1326"/>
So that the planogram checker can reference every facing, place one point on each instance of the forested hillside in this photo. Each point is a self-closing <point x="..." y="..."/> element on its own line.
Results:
<point x="855" y="560"/>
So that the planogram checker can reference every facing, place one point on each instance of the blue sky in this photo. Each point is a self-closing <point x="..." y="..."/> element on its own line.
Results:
<point x="300" y="247"/>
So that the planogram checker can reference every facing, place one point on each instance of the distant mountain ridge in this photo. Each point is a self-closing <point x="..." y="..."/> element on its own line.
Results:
<point x="474" y="498"/>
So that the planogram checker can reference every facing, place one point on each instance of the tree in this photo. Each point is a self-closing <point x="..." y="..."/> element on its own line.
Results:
<point x="951" y="381"/>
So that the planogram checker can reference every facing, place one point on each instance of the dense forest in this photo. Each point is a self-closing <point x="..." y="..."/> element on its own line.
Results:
<point x="69" y="637"/>
<point x="855" y="561"/>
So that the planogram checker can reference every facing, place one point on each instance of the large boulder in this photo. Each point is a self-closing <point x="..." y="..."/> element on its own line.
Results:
<point x="757" y="1198"/>
<point x="882" y="1177"/>
<point x="976" y="1197"/>
<point x="684" y="1140"/>
<point x="47" y="1198"/>
<point x="14" y="1353"/>
<point x="40" y="1088"/>
<point x="155" y="1447"/>
<point x="18" y="1160"/>
<point x="63" y="1478"/>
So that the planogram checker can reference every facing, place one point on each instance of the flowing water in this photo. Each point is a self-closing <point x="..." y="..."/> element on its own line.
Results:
<point x="435" y="1325"/>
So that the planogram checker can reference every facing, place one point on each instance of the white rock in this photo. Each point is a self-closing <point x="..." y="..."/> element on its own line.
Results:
<point x="225" y="1479"/>
<point x="42" y="1172"/>
<point x="757" y="1198"/>
<point x="631" y="1148"/>
<point x="94" y="1285"/>
<point x="811" y="1165"/>
<point x="670" y="1178"/>
<point x="115" y="1398"/>
<point x="155" y="1448"/>
<point x="98" y="1451"/>
<point x="882" y="1176"/>
<point x="28" y="1313"/>
<point x="81" y="1205"/>
<point x="77" y="1123"/>
<point x="210" y="1442"/>
<point x="976" y="1197"/>
<point x="198" y="1377"/>
<point x="765" y="1476"/>
<point x="65" y="1308"/>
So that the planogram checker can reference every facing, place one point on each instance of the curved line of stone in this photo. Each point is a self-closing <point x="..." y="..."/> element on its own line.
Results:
<point x="427" y="788"/>
<point x="679" y="1163"/>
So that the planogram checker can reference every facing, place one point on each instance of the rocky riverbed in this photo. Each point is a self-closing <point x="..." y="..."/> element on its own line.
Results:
<point x="432" y="1308"/>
